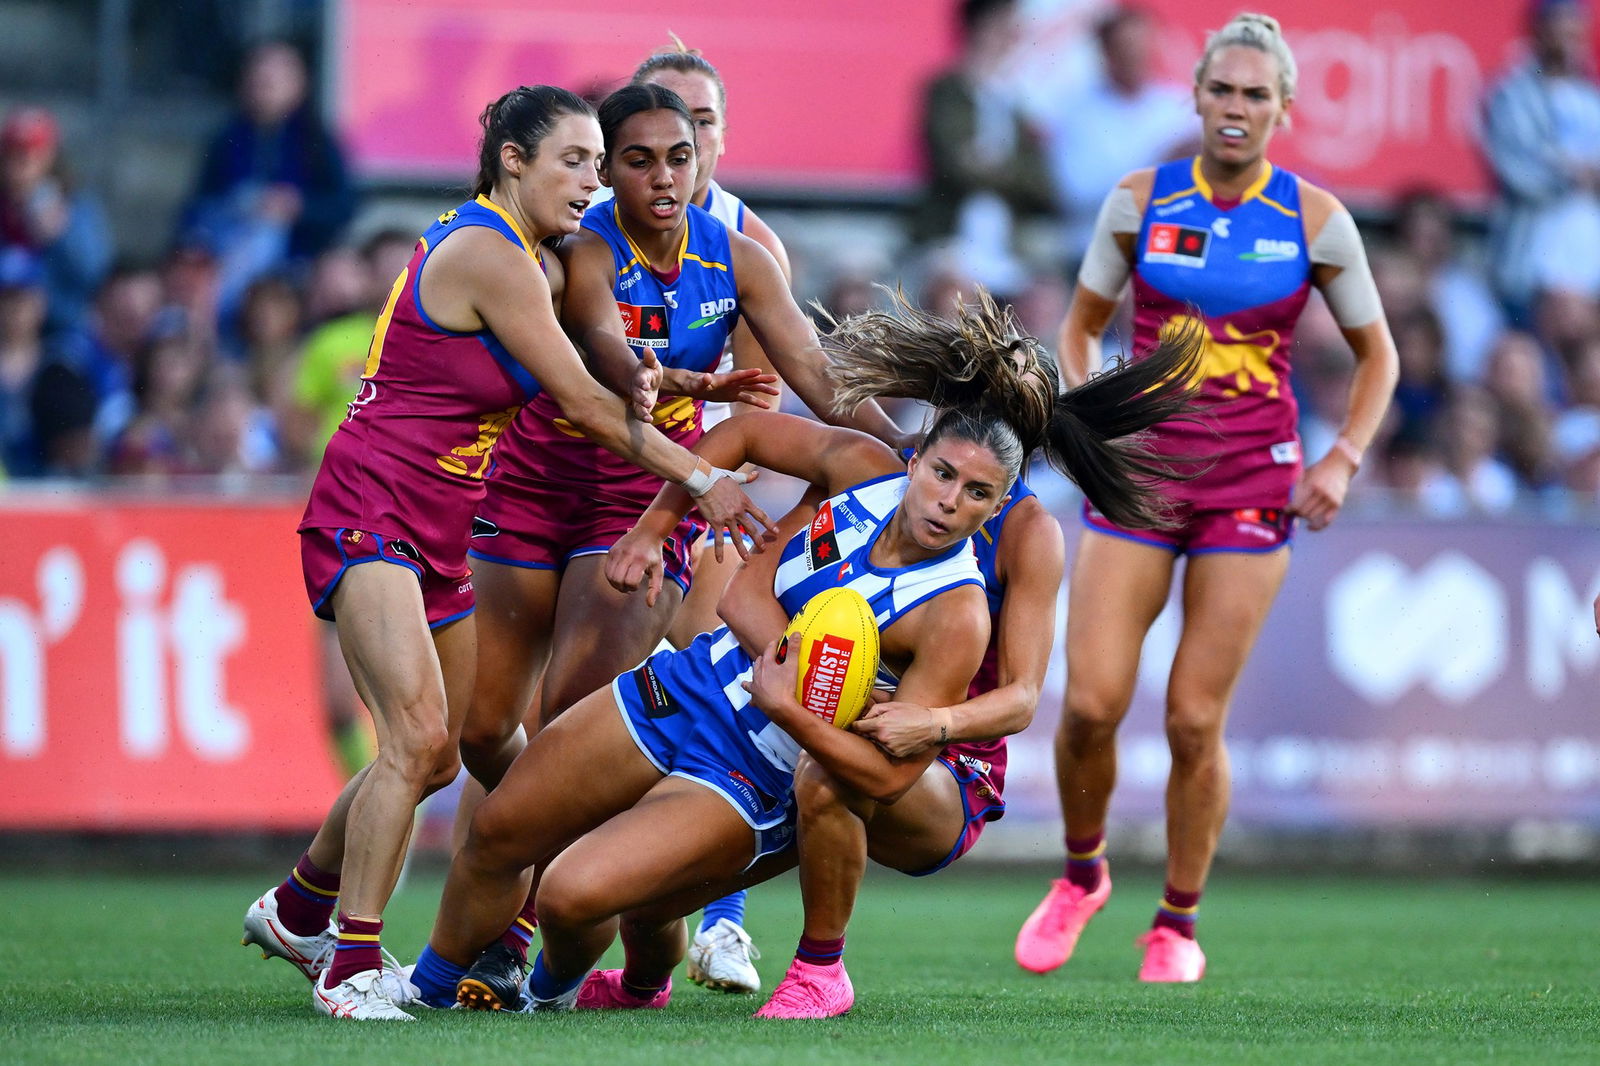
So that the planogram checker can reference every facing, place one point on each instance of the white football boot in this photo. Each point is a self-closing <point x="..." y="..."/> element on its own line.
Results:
<point x="719" y="958"/>
<point x="363" y="997"/>
<point x="308" y="954"/>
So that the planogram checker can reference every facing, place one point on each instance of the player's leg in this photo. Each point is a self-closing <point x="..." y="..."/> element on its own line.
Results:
<point x="552" y="794"/>
<point x="1117" y="588"/>
<point x="515" y="620"/>
<point x="1226" y="597"/>
<point x="399" y="668"/>
<point x="838" y="830"/>
<point x="678" y="838"/>
<point x="655" y="934"/>
<point x="599" y="632"/>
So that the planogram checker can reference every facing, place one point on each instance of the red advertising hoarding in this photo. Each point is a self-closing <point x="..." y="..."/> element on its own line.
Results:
<point x="158" y="669"/>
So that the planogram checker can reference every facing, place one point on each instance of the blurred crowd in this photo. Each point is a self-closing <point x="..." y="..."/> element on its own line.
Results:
<point x="236" y="351"/>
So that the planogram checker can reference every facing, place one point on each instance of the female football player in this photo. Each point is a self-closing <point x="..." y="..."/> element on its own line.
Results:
<point x="1231" y="239"/>
<point x="468" y="335"/>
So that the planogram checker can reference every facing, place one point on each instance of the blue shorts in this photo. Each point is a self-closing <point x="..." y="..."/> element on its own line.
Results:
<point x="686" y="731"/>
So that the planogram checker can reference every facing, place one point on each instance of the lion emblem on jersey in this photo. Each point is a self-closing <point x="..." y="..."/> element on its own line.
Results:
<point x="1238" y="363"/>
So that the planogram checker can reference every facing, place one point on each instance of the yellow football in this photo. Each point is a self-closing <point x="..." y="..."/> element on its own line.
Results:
<point x="838" y="655"/>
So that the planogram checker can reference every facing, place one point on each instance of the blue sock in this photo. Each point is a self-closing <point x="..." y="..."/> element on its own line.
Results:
<point x="730" y="907"/>
<point x="437" y="978"/>
<point x="543" y="985"/>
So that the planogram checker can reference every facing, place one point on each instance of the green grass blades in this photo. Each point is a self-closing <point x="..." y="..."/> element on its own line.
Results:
<point x="1303" y="970"/>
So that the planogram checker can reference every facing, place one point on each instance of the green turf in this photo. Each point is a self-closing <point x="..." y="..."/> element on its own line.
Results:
<point x="1304" y="970"/>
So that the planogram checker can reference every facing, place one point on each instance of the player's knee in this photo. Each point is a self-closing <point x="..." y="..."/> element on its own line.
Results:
<point x="481" y="743"/>
<point x="496" y="840"/>
<point x="1194" y="737"/>
<point x="569" y="902"/>
<point x="418" y="751"/>
<point x="815" y="790"/>
<point x="1091" y="719"/>
<point x="446" y="767"/>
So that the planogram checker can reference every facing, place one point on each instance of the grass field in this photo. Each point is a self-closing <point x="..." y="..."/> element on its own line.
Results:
<point x="1303" y="970"/>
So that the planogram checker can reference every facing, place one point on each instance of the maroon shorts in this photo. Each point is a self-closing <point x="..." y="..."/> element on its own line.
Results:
<point x="325" y="554"/>
<point x="980" y="801"/>
<point x="1241" y="529"/>
<point x="543" y="526"/>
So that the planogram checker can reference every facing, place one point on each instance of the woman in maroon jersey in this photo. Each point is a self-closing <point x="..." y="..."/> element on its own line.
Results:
<point x="469" y="334"/>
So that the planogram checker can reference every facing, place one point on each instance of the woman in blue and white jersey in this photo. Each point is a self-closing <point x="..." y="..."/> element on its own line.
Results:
<point x="696" y="785"/>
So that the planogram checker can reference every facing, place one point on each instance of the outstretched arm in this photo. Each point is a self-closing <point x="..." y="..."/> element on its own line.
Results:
<point x="828" y="457"/>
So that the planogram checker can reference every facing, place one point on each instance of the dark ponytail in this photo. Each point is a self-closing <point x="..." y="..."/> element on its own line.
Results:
<point x="524" y="116"/>
<point x="1096" y="435"/>
<point x="980" y="360"/>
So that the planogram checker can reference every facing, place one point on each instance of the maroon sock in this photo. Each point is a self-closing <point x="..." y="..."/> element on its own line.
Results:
<point x="520" y="935"/>
<point x="820" y="952"/>
<point x="1178" y="911"/>
<point x="358" y="949"/>
<point x="306" y="898"/>
<point x="1086" y="860"/>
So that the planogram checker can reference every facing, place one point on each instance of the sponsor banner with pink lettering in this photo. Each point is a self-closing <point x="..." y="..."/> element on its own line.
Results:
<point x="1409" y="674"/>
<point x="158" y="670"/>
<point x="826" y="94"/>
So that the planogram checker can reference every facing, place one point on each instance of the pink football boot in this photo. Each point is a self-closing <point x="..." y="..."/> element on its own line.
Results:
<point x="810" y="991"/>
<point x="1051" y="932"/>
<point x="602" y="990"/>
<point x="1169" y="956"/>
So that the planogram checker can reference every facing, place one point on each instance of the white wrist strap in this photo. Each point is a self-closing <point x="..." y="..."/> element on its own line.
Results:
<point x="705" y="475"/>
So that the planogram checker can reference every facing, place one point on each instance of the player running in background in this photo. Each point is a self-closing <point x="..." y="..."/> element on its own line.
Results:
<point x="1241" y="242"/>
<point x="687" y="843"/>
<point x="467" y="336"/>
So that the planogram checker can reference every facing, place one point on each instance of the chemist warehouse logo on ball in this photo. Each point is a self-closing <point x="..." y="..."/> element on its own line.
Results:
<point x="825" y="674"/>
<point x="1175" y="245"/>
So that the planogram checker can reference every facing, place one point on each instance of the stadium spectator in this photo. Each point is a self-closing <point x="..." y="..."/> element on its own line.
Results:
<point x="23" y="354"/>
<point x="105" y="346"/>
<point x="1420" y="393"/>
<point x="269" y="338"/>
<point x="344" y="305"/>
<point x="1124" y="118"/>
<point x="986" y="164"/>
<point x="1412" y="468"/>
<point x="168" y="377"/>
<point x="1565" y="321"/>
<point x="1516" y="378"/>
<point x="1455" y="288"/>
<point x="232" y="432"/>
<point x="272" y="190"/>
<point x="42" y="210"/>
<point x="1542" y="136"/>
<point x="1473" y="481"/>
<point x="63" y="411"/>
